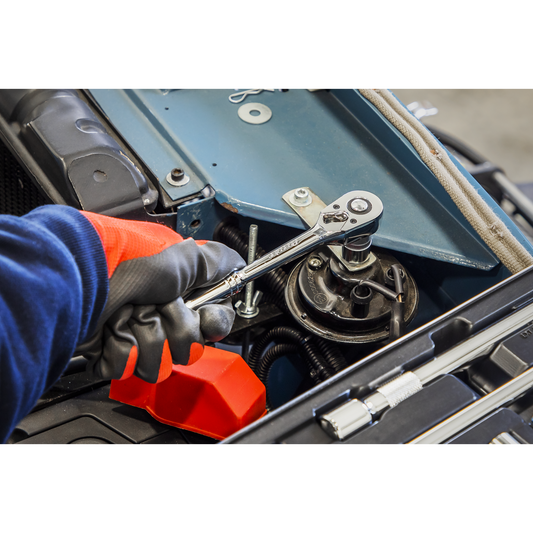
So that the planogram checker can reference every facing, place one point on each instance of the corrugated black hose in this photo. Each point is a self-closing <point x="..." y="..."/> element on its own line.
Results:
<point x="332" y="354"/>
<point x="320" y="370"/>
<point x="272" y="355"/>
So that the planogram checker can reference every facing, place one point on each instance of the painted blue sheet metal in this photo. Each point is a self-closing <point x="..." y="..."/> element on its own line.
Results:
<point x="329" y="141"/>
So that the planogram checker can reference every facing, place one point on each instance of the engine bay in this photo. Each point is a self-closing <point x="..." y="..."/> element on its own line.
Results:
<point x="378" y="313"/>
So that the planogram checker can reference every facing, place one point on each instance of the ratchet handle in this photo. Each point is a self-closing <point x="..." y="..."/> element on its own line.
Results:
<point x="236" y="281"/>
<point x="355" y="213"/>
<point x="232" y="284"/>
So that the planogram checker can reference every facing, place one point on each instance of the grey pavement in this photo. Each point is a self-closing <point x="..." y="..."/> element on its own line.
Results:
<point x="498" y="123"/>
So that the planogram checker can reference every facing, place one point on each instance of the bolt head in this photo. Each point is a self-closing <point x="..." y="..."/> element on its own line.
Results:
<point x="314" y="263"/>
<point x="301" y="197"/>
<point x="177" y="173"/>
<point x="359" y="205"/>
<point x="177" y="177"/>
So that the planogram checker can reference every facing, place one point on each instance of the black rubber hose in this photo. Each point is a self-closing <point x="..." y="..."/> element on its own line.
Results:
<point x="275" y="281"/>
<point x="259" y="345"/>
<point x="272" y="355"/>
<point x="375" y="286"/>
<point x="397" y="321"/>
<point x="332" y="354"/>
<point x="306" y="348"/>
<point x="398" y="281"/>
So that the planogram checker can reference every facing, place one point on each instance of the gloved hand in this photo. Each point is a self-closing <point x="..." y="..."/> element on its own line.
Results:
<point x="145" y="326"/>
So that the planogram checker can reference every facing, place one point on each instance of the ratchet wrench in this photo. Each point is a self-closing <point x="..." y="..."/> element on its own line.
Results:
<point x="354" y="214"/>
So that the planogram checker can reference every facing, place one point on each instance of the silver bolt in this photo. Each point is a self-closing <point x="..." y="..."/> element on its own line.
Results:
<point x="301" y="197"/>
<point x="252" y="243"/>
<point x="314" y="263"/>
<point x="251" y="300"/>
<point x="358" y="205"/>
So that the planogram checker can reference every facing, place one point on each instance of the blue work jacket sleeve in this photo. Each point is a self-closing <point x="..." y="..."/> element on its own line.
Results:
<point x="53" y="288"/>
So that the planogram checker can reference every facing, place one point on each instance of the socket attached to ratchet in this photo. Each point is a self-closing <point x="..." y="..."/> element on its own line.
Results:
<point x="339" y="222"/>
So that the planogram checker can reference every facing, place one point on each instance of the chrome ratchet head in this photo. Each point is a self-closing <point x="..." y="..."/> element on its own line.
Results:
<point x="354" y="214"/>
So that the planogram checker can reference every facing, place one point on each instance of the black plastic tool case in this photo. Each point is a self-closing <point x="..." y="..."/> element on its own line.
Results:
<point x="297" y="421"/>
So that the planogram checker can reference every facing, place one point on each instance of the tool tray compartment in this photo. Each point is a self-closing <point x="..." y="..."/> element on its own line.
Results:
<point x="298" y="420"/>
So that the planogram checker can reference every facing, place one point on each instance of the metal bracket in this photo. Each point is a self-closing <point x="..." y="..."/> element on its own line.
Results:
<point x="308" y="207"/>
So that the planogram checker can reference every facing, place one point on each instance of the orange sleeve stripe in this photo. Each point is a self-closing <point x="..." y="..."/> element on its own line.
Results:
<point x="129" y="239"/>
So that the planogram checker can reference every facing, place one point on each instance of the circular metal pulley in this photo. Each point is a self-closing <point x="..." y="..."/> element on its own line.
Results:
<point x="327" y="299"/>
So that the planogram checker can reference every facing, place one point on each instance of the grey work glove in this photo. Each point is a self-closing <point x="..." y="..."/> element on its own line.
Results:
<point x="145" y="327"/>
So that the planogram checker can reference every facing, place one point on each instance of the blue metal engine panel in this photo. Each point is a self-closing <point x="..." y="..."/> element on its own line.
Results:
<point x="331" y="141"/>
